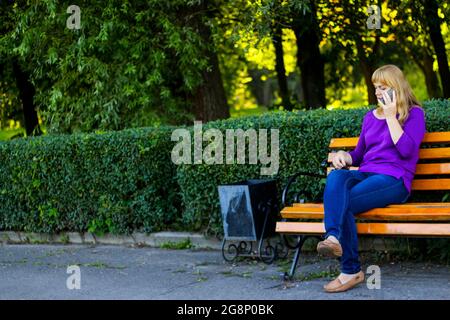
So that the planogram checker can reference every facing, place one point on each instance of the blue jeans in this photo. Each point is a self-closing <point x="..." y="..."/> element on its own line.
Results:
<point x="349" y="192"/>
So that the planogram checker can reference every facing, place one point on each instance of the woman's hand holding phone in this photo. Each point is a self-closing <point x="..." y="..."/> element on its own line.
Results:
<point x="389" y="103"/>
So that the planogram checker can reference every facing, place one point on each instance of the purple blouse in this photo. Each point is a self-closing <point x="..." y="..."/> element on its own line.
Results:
<point x="376" y="152"/>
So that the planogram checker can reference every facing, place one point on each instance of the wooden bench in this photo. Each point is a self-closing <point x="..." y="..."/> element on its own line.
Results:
<point x="422" y="219"/>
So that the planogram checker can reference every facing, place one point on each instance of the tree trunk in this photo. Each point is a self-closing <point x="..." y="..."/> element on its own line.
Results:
<point x="431" y="78"/>
<point x="26" y="93"/>
<point x="433" y="22"/>
<point x="209" y="99"/>
<point x="277" y="40"/>
<point x="425" y="62"/>
<point x="367" y="70"/>
<point x="261" y="90"/>
<point x="210" y="102"/>
<point x="367" y="62"/>
<point x="309" y="59"/>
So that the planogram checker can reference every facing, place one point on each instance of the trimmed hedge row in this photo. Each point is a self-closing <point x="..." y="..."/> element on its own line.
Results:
<point x="124" y="181"/>
<point x="112" y="182"/>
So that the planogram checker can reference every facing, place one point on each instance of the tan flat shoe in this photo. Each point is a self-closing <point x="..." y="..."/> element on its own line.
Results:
<point x="337" y="286"/>
<point x="329" y="248"/>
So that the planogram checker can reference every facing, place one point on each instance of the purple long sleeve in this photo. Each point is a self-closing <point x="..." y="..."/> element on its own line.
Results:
<point x="358" y="153"/>
<point x="413" y="133"/>
<point x="376" y="152"/>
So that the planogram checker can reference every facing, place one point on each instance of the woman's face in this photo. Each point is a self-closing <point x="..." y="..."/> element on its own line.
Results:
<point x="379" y="88"/>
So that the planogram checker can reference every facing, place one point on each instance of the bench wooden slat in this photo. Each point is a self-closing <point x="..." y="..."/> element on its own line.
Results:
<point x="444" y="208"/>
<point x="434" y="153"/>
<point x="424" y="154"/>
<point x="377" y="217"/>
<point x="430" y="137"/>
<point x="432" y="168"/>
<point x="385" y="229"/>
<point x="406" y="213"/>
<point x="431" y="184"/>
<point x="421" y="169"/>
<point x="410" y="204"/>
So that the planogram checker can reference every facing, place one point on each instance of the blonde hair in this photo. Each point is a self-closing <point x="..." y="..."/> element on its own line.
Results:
<point x="391" y="76"/>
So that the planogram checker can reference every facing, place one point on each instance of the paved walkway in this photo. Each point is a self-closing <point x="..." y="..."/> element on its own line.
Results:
<point x="118" y="272"/>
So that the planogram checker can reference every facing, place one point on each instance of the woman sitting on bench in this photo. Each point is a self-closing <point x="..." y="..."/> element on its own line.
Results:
<point x="386" y="153"/>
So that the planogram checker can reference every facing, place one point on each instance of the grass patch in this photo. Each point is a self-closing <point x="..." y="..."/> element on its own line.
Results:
<point x="182" y="245"/>
<point x="200" y="276"/>
<point x="101" y="265"/>
<point x="284" y="265"/>
<point x="64" y="239"/>
<point x="31" y="240"/>
<point x="21" y="261"/>
<point x="229" y="273"/>
<point x="95" y="264"/>
<point x="202" y="279"/>
<point x="180" y="271"/>
<point x="331" y="273"/>
<point x="204" y="263"/>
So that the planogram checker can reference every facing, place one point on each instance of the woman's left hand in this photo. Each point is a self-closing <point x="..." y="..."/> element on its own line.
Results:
<point x="390" y="106"/>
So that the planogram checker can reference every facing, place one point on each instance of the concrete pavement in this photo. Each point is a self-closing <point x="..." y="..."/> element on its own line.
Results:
<point x="120" y="272"/>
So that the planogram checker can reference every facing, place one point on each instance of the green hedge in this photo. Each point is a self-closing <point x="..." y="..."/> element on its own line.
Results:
<point x="124" y="181"/>
<point x="304" y="139"/>
<point x="112" y="182"/>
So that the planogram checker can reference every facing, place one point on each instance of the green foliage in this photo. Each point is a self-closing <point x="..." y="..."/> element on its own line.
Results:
<point x="48" y="216"/>
<point x="131" y="64"/>
<point x="114" y="182"/>
<point x="11" y="134"/>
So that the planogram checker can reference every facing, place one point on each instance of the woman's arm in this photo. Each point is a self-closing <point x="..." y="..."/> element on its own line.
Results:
<point x="407" y="140"/>
<point x="395" y="129"/>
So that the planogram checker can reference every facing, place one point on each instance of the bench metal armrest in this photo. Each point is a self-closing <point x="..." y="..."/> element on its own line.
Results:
<point x="298" y="174"/>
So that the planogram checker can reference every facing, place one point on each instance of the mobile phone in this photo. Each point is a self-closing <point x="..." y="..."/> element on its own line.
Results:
<point x="390" y="92"/>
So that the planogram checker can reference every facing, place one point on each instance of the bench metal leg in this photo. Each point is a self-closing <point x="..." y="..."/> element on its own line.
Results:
<point x="300" y="242"/>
